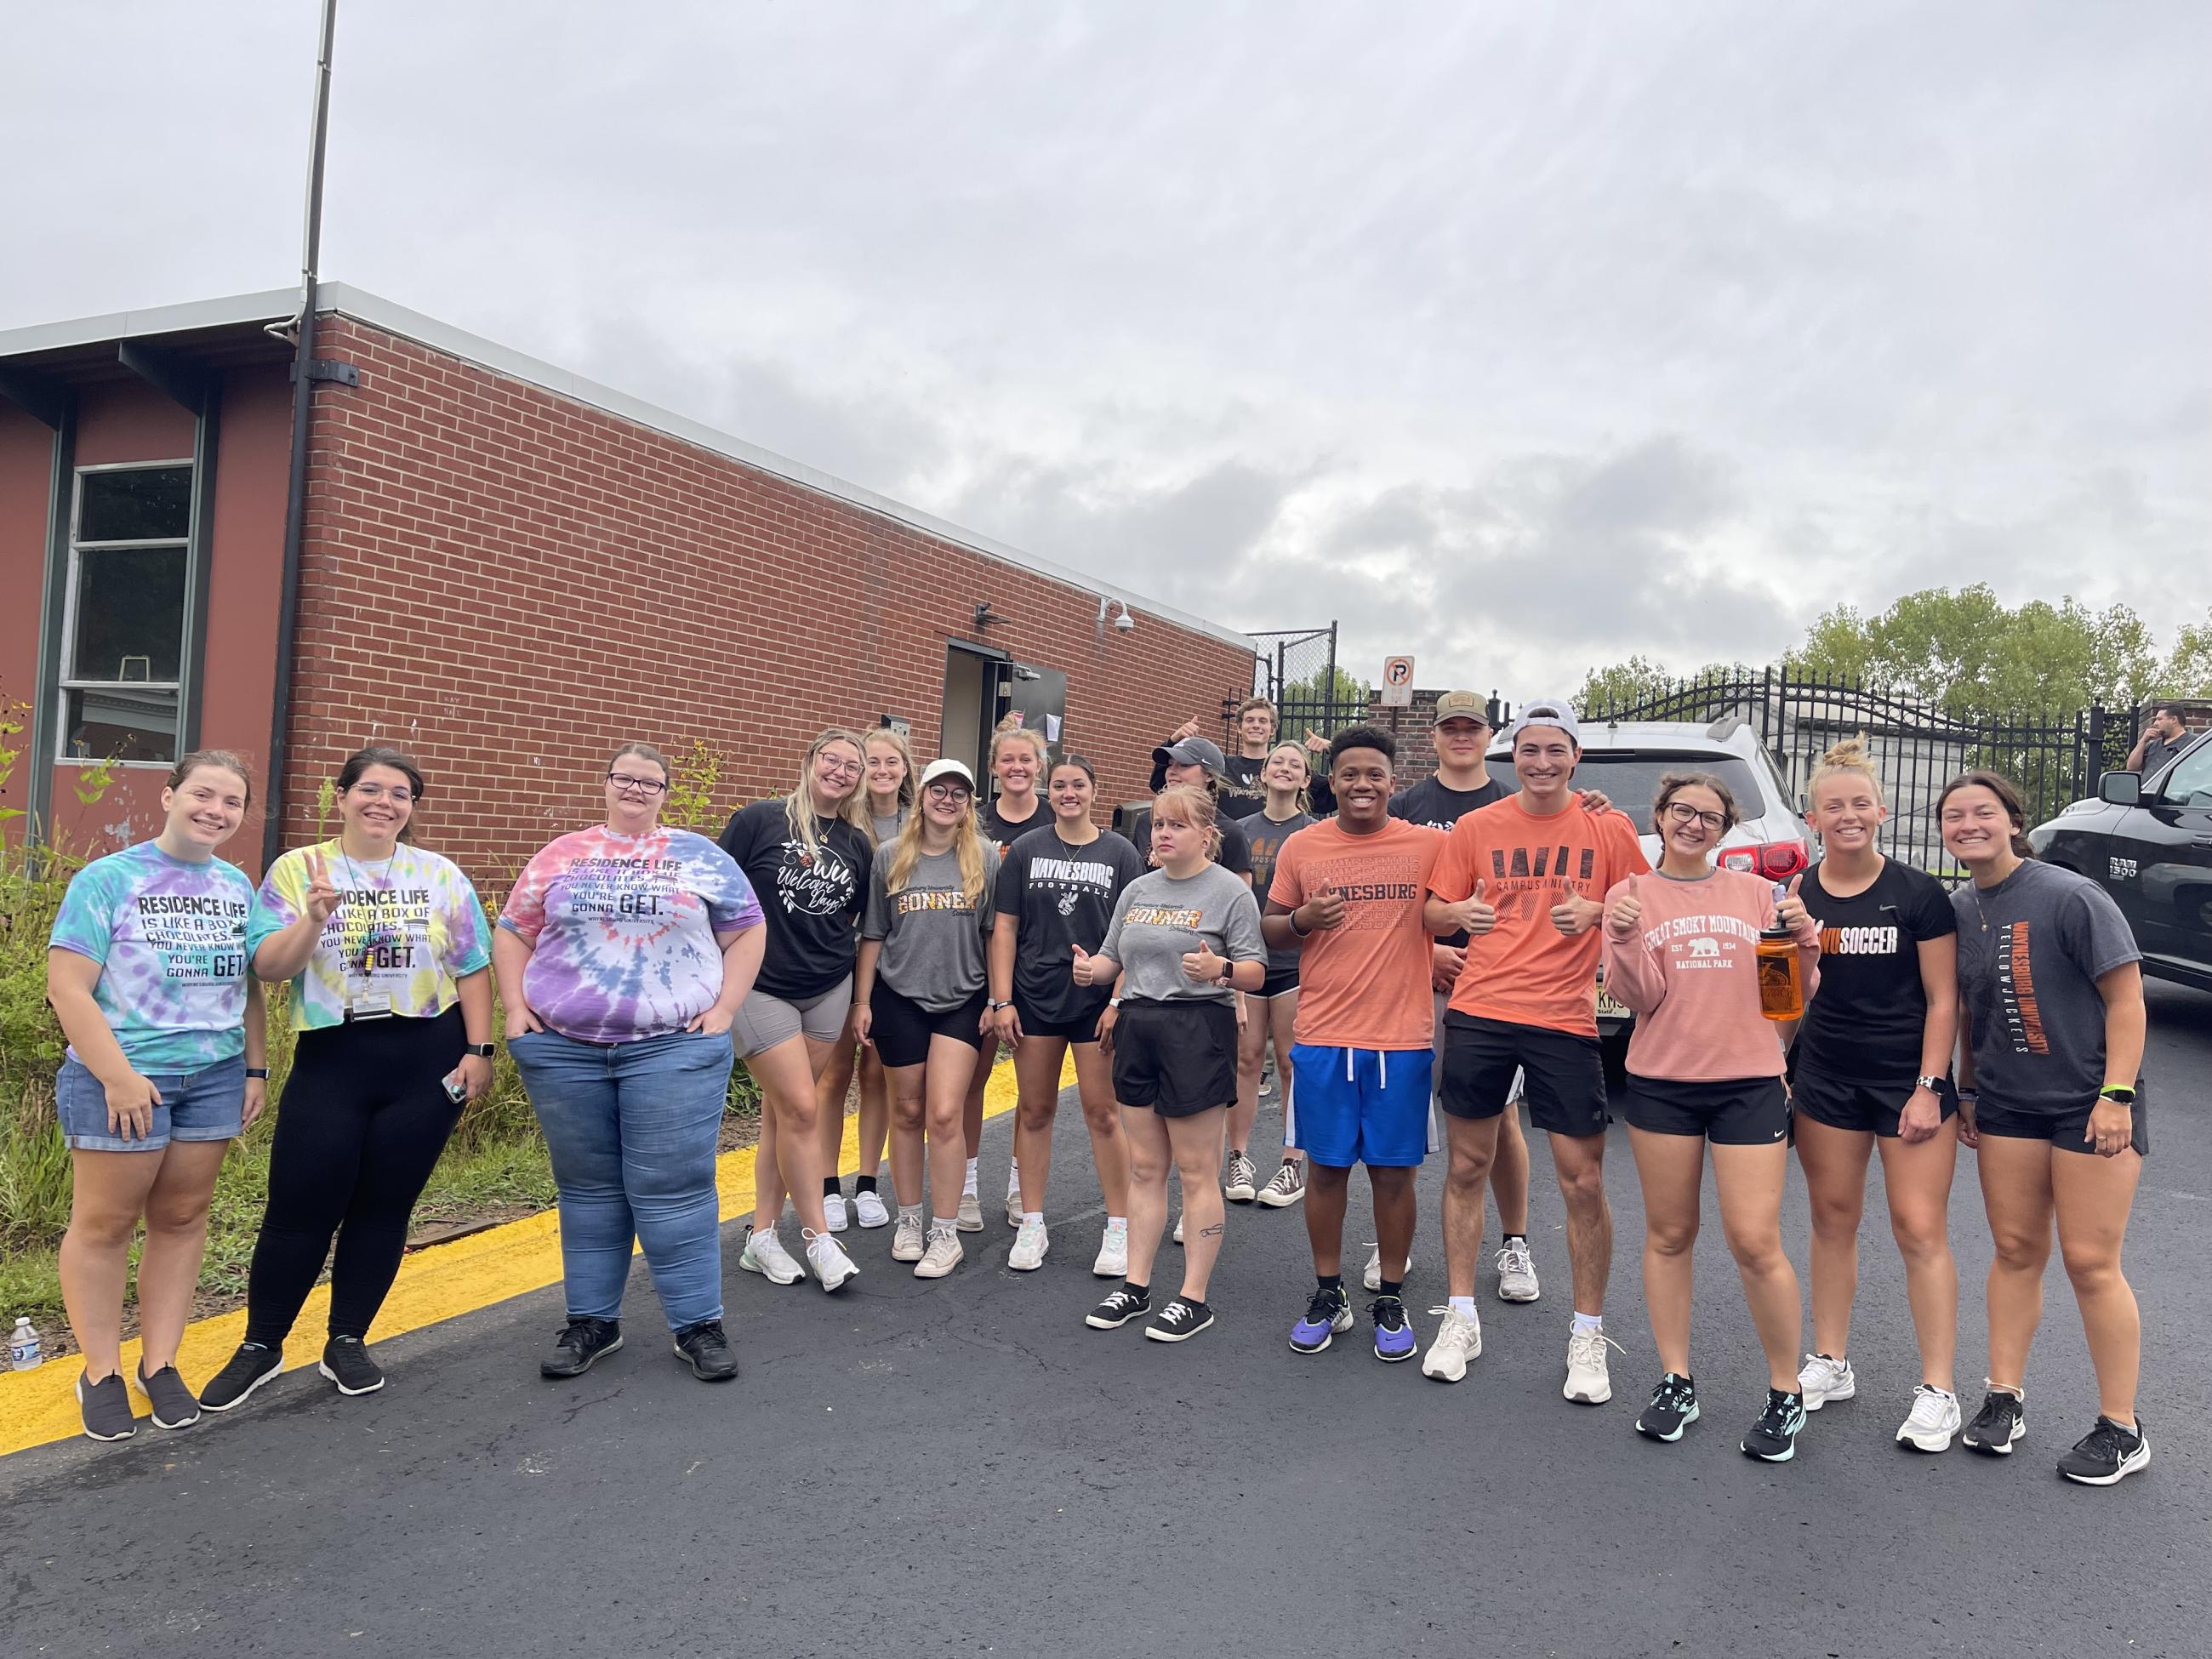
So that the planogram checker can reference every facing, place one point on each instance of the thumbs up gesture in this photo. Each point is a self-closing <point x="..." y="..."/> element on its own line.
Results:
<point x="1789" y="911"/>
<point x="1477" y="914"/>
<point x="322" y="898"/>
<point x="1626" y="913"/>
<point x="1325" y="909"/>
<point x="1087" y="966"/>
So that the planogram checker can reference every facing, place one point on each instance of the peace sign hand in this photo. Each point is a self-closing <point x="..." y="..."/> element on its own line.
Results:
<point x="322" y="898"/>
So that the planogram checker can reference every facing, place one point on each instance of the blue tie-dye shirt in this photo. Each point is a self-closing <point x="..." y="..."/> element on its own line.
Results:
<point x="623" y="930"/>
<point x="169" y="935"/>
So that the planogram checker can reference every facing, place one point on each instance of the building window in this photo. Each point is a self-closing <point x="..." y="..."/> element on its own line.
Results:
<point x="124" y="627"/>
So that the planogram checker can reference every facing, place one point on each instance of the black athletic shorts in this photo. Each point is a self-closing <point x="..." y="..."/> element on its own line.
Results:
<point x="901" y="1028"/>
<point x="1745" y="1111"/>
<point x="1565" y="1081"/>
<point x="1178" y="1058"/>
<point x="1036" y="1024"/>
<point x="2067" y="1131"/>
<point x="1278" y="982"/>
<point x="1842" y="1104"/>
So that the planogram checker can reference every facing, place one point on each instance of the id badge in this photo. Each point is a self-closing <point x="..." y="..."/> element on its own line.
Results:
<point x="368" y="1005"/>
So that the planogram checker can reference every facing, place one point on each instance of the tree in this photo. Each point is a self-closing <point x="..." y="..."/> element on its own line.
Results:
<point x="1625" y="684"/>
<point x="1347" y="696"/>
<point x="2187" y="672"/>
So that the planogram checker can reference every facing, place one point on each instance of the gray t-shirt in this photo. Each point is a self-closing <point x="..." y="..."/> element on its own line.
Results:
<point x="934" y="938"/>
<point x="1160" y="919"/>
<point x="887" y="829"/>
<point x="2030" y="952"/>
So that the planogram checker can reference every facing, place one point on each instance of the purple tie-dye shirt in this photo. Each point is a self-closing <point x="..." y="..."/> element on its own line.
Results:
<point x="623" y="930"/>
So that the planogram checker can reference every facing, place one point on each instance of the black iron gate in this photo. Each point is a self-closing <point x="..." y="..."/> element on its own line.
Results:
<point x="1296" y="669"/>
<point x="2055" y="756"/>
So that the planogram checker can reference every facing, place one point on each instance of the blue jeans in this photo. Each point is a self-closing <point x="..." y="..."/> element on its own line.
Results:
<point x="632" y="1128"/>
<point x="209" y="1105"/>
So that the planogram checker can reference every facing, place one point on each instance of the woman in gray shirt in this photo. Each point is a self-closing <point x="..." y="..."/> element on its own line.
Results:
<point x="1185" y="938"/>
<point x="921" y="983"/>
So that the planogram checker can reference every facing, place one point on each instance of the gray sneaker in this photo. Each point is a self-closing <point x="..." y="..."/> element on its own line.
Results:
<point x="1240" y="1183"/>
<point x="107" y="1406"/>
<point x="1516" y="1272"/>
<point x="175" y="1406"/>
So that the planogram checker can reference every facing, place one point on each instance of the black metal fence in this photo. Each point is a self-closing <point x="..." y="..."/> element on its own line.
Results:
<point x="2054" y="755"/>
<point x="1296" y="669"/>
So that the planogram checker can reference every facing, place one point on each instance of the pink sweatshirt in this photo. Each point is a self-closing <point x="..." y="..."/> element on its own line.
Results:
<point x="1688" y="967"/>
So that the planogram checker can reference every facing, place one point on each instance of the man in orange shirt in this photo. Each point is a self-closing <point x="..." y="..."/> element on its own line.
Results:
<point x="1350" y="896"/>
<point x="1526" y="878"/>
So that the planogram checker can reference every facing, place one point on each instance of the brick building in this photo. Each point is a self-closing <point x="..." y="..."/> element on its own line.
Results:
<point x="504" y="569"/>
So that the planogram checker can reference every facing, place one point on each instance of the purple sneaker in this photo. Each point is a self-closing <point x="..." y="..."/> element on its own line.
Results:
<point x="1329" y="1312"/>
<point x="1393" y="1335"/>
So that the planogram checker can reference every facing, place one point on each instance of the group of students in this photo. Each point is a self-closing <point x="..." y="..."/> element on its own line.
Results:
<point x="1401" y="951"/>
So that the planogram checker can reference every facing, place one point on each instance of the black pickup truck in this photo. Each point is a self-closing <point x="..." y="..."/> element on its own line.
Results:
<point x="2149" y="841"/>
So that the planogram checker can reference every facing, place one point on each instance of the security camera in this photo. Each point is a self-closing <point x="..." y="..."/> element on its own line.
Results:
<point x="1124" y="623"/>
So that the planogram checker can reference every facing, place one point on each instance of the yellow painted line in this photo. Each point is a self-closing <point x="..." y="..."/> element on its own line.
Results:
<point x="444" y="1282"/>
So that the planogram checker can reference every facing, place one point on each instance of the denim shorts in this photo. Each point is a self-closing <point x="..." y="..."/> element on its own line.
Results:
<point x="203" y="1105"/>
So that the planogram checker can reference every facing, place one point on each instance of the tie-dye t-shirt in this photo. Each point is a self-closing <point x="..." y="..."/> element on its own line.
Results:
<point x="622" y="930"/>
<point x="169" y="935"/>
<point x="406" y="930"/>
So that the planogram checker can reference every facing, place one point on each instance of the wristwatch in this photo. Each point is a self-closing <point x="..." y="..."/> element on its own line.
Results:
<point x="2117" y="1095"/>
<point x="261" y="1071"/>
<point x="1933" y="1085"/>
<point x="995" y="1006"/>
<point x="484" y="1049"/>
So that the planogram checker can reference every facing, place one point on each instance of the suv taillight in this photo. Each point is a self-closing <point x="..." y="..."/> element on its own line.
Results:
<point x="1775" y="860"/>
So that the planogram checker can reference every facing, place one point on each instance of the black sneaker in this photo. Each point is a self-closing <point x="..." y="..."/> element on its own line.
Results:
<point x="2001" y="1422"/>
<point x="174" y="1405"/>
<point x="1773" y="1438"/>
<point x="1394" y="1337"/>
<point x="107" y="1406"/>
<point x="2106" y="1457"/>
<point x="1130" y="1302"/>
<point x="1180" y="1321"/>
<point x="254" y="1365"/>
<point x="345" y="1361"/>
<point x="582" y="1343"/>
<point x="1674" y="1408"/>
<point x="704" y="1348"/>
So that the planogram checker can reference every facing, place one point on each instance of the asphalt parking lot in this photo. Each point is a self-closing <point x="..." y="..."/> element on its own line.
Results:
<point x="964" y="1467"/>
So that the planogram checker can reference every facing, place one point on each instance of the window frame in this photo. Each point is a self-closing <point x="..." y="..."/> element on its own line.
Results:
<point x="67" y="681"/>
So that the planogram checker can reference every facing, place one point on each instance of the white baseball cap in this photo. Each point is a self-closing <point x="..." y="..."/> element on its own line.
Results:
<point x="1546" y="711"/>
<point x="945" y="767"/>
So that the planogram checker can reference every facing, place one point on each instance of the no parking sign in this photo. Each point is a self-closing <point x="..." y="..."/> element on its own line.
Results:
<point x="1397" y="682"/>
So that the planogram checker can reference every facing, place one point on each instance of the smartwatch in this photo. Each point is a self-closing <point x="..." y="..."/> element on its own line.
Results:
<point x="2117" y="1095"/>
<point x="995" y="1005"/>
<point x="1933" y="1085"/>
<point x="483" y="1049"/>
<point x="261" y="1071"/>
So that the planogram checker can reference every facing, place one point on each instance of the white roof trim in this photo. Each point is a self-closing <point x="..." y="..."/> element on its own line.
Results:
<point x="357" y="303"/>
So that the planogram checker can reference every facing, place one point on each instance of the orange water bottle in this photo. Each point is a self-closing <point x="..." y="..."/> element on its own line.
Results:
<point x="1780" y="983"/>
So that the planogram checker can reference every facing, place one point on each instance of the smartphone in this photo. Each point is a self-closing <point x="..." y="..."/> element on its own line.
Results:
<point x="456" y="1090"/>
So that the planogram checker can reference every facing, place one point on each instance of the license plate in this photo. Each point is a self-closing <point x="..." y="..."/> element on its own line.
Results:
<point x="1609" y="1007"/>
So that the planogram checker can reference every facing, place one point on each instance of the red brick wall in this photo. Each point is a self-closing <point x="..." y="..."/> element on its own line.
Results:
<point x="510" y="583"/>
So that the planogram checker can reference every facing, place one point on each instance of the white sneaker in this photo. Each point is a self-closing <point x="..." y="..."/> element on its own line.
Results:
<point x="1935" y="1419"/>
<point x="1240" y="1183"/>
<point x="1113" y="1261"/>
<point x="831" y="1264"/>
<point x="1588" y="1384"/>
<point x="909" y="1239"/>
<point x="1178" y="1231"/>
<point x="1372" y="1278"/>
<point x="1030" y="1246"/>
<point x="1459" y="1339"/>
<point x="764" y="1254"/>
<point x="1286" y="1186"/>
<point x="942" y="1254"/>
<point x="869" y="1210"/>
<point x="971" y="1213"/>
<point x="1517" y="1272"/>
<point x="1821" y="1379"/>
<point x="833" y="1211"/>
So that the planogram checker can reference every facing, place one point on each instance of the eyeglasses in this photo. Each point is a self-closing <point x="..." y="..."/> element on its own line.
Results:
<point x="837" y="769"/>
<point x="954" y="791"/>
<point x="1679" y="812"/>
<point x="627" y="785"/>
<point x="398" y="797"/>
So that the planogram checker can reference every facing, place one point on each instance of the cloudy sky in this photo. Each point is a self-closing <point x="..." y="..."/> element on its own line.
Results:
<point x="1519" y="337"/>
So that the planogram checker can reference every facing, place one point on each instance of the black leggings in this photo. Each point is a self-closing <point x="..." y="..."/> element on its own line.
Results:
<point x="364" y="1116"/>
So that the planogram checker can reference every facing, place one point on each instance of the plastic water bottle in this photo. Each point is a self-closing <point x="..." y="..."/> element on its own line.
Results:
<point x="25" y="1349"/>
<point x="1781" y="988"/>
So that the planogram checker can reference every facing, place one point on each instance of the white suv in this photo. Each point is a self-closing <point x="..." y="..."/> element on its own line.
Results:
<point x="1627" y="759"/>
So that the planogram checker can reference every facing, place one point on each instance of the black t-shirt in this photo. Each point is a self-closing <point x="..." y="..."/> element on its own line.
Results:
<point x="1061" y="896"/>
<point x="1236" y="854"/>
<point x="1267" y="838"/>
<point x="813" y="906"/>
<point x="1431" y="803"/>
<point x="1003" y="832"/>
<point x="1240" y="792"/>
<point x="1865" y="1019"/>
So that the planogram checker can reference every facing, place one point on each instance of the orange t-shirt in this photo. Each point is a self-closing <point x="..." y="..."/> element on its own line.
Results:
<point x="1363" y="984"/>
<point x="1525" y="970"/>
